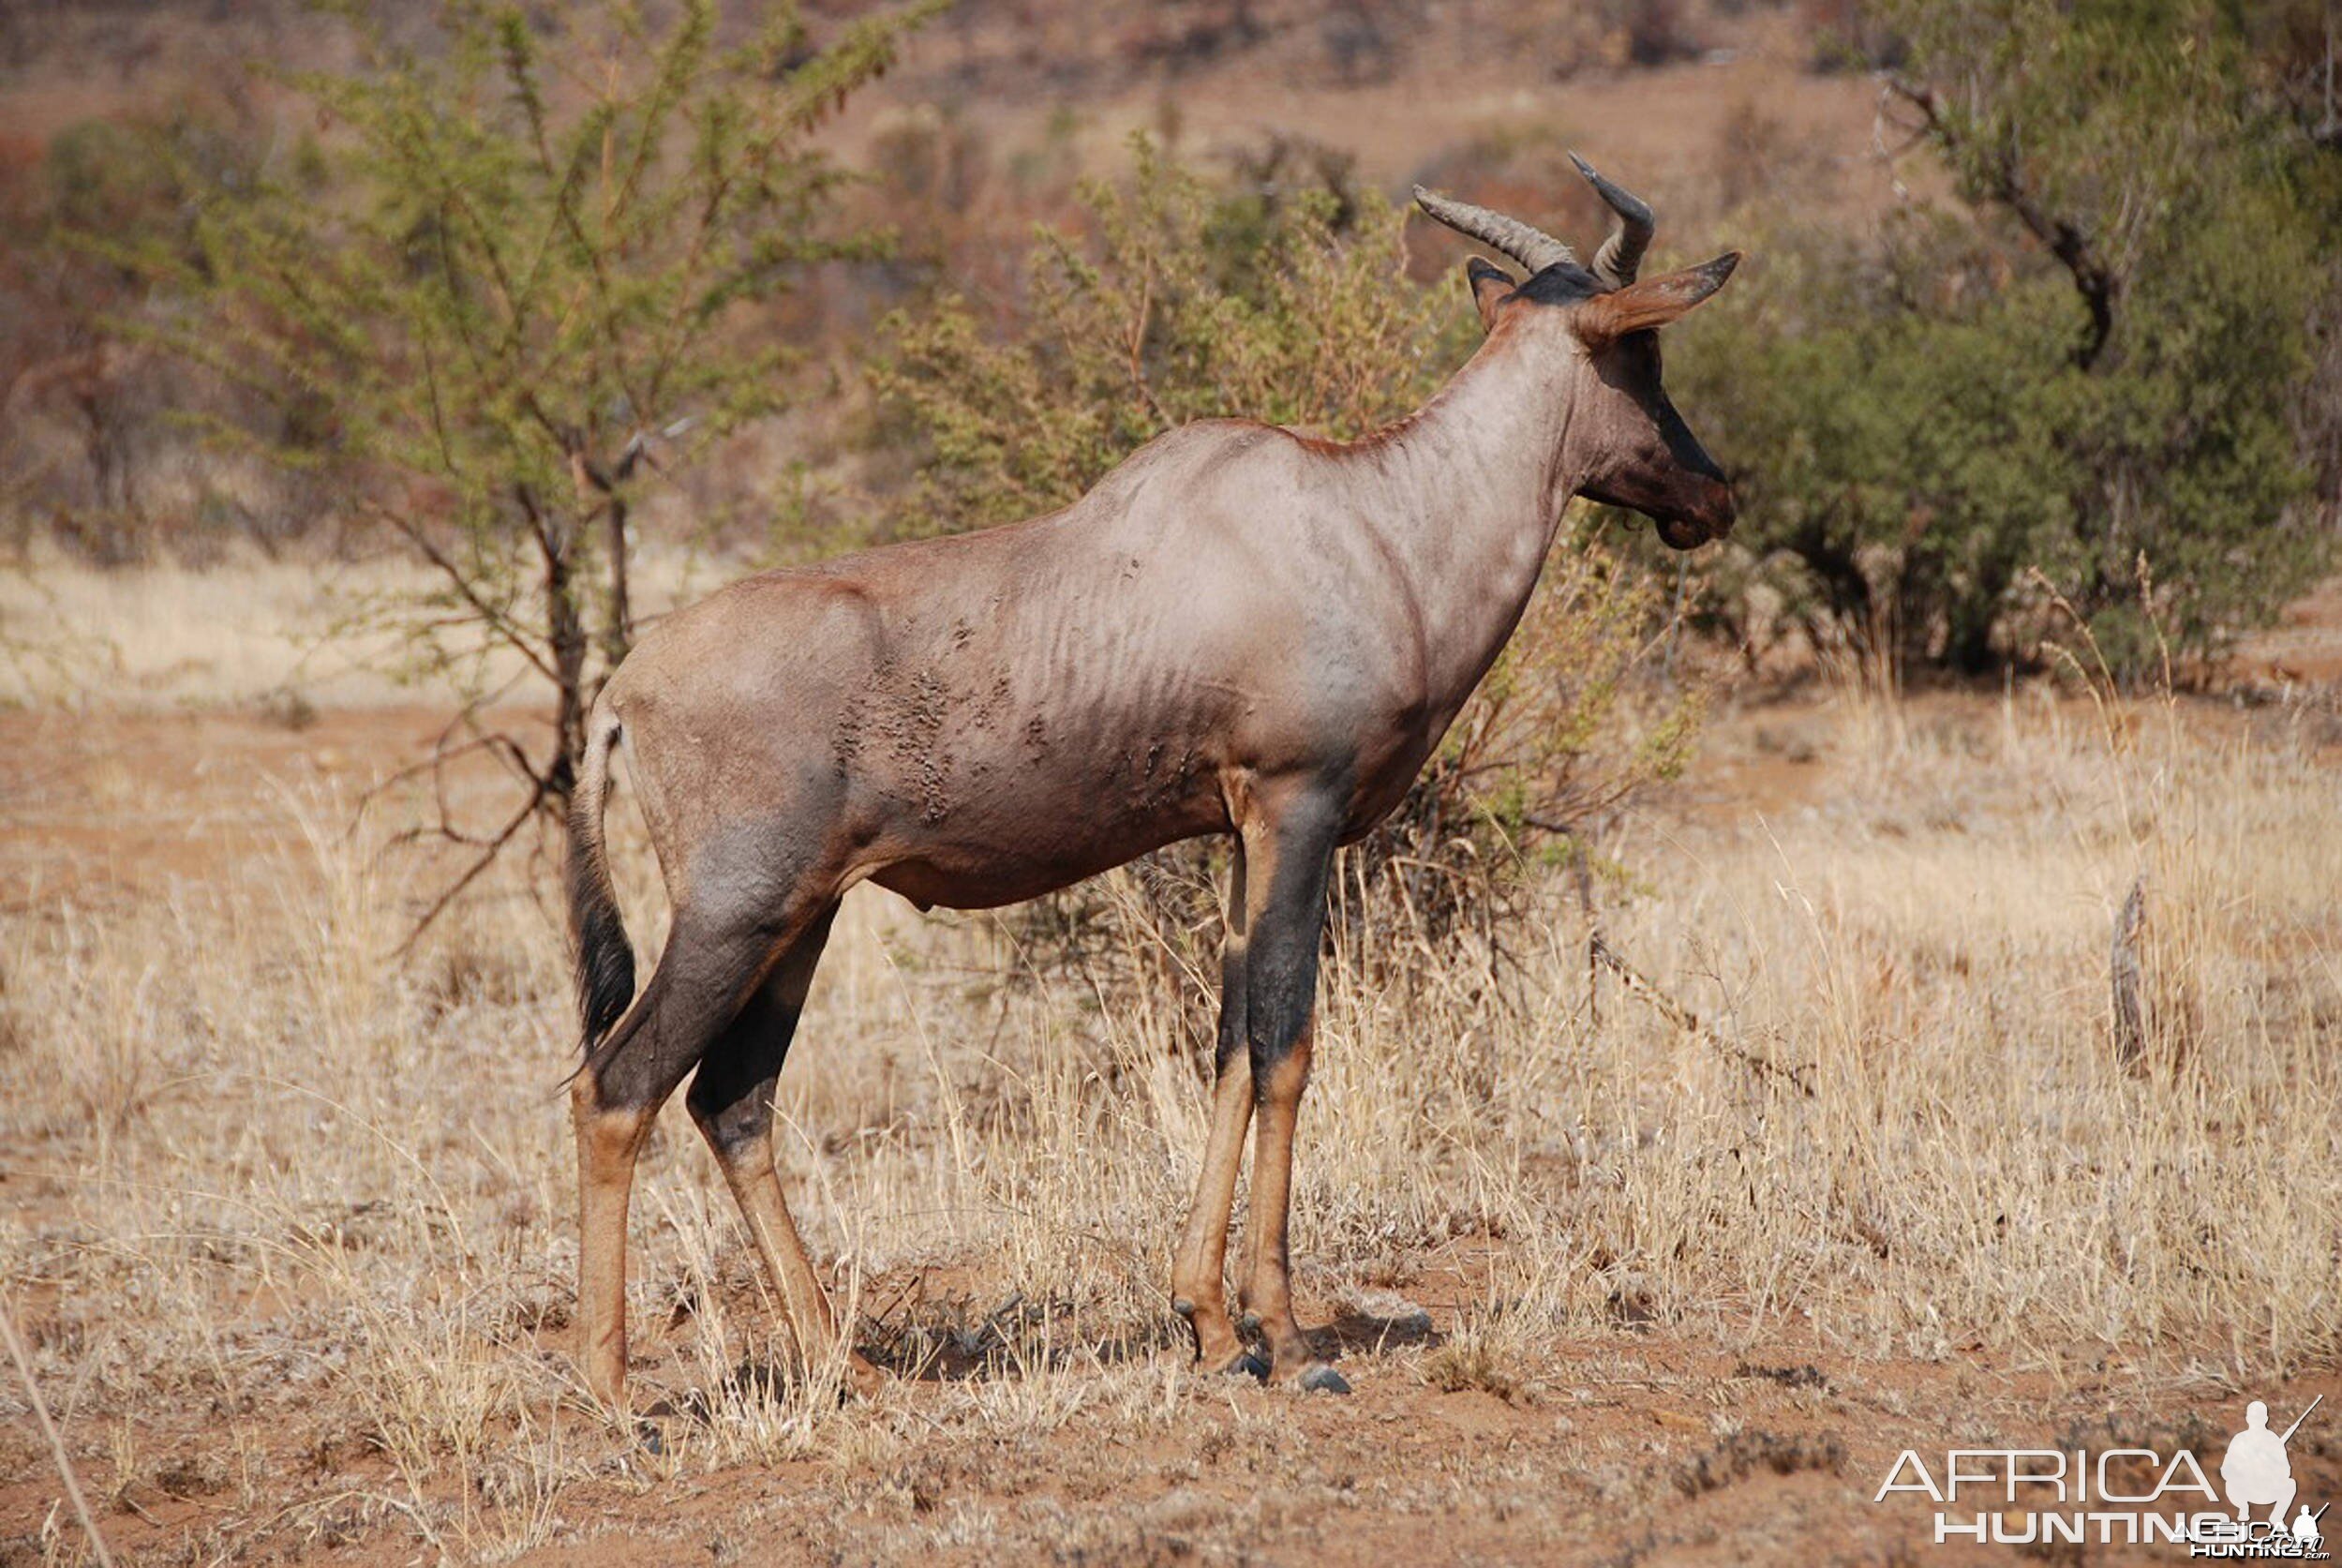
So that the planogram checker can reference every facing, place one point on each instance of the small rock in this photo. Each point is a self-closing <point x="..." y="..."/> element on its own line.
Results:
<point x="1323" y="1379"/>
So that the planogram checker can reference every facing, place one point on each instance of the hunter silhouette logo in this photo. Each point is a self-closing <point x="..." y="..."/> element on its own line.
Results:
<point x="2022" y="1497"/>
<point x="2256" y="1472"/>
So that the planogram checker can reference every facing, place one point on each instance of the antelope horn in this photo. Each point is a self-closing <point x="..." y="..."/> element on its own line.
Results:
<point x="1531" y="247"/>
<point x="1621" y="254"/>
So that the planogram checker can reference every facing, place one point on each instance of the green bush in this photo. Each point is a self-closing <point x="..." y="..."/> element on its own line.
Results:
<point x="2102" y="360"/>
<point x="1189" y="304"/>
<point x="547" y="239"/>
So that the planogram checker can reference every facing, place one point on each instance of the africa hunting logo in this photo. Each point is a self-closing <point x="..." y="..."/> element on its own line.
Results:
<point x="2039" y="1496"/>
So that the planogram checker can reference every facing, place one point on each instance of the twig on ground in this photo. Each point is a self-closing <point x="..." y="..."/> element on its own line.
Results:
<point x="56" y="1443"/>
<point x="1674" y="1012"/>
<point x="2130" y="1013"/>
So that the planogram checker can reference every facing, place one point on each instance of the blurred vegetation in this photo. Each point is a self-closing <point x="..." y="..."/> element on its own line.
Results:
<point x="87" y="447"/>
<point x="2125" y="339"/>
<point x="1291" y="302"/>
<point x="525" y="270"/>
<point x="516" y="256"/>
<point x="1187" y="302"/>
<point x="2123" y="348"/>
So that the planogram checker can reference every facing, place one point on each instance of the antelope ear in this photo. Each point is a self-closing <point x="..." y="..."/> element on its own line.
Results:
<point x="1489" y="284"/>
<point x="1652" y="302"/>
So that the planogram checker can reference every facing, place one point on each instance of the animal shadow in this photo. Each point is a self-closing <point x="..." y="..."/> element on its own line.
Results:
<point x="1371" y="1334"/>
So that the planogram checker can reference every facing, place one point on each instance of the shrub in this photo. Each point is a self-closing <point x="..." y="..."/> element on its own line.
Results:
<point x="2105" y="357"/>
<point x="1185" y="304"/>
<point x="90" y="445"/>
<point x="549" y="232"/>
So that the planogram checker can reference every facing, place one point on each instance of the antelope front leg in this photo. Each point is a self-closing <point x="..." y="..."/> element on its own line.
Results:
<point x="1267" y="1289"/>
<point x="1281" y="984"/>
<point x="1199" y="1286"/>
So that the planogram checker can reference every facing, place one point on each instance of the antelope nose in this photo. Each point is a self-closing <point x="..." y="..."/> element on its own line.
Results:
<point x="1682" y="533"/>
<point x="1708" y="515"/>
<point x="1719" y="517"/>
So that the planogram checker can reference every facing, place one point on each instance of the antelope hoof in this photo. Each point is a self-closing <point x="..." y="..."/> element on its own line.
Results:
<point x="862" y="1381"/>
<point x="611" y="1405"/>
<point x="1244" y="1364"/>
<point x="1218" y="1349"/>
<point x="1320" y="1378"/>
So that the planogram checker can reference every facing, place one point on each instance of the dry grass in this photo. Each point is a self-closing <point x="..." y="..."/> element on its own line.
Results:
<point x="287" y="1224"/>
<point x="76" y="635"/>
<point x="249" y="631"/>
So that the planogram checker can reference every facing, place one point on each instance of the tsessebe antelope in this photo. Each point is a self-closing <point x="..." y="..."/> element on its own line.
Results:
<point x="1241" y="630"/>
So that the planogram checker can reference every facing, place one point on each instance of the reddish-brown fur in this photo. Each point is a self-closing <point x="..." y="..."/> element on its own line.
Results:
<point x="1240" y="630"/>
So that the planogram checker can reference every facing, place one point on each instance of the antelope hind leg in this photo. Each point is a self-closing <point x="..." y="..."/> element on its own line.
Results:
<point x="731" y="1102"/>
<point x="692" y="996"/>
<point x="608" y="1141"/>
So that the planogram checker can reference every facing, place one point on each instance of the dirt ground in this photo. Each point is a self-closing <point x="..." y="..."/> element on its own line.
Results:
<point x="1635" y="1441"/>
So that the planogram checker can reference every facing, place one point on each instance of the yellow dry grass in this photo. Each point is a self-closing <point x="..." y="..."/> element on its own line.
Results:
<point x="287" y="1219"/>
<point x="254" y="631"/>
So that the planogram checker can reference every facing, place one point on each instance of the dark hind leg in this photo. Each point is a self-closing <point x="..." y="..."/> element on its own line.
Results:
<point x="731" y="1099"/>
<point x="704" y="977"/>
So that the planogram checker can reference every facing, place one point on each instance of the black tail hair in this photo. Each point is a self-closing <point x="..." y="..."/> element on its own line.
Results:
<point x="606" y="960"/>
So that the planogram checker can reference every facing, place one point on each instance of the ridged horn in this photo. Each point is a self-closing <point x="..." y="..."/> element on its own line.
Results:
<point x="1621" y="254"/>
<point x="1531" y="247"/>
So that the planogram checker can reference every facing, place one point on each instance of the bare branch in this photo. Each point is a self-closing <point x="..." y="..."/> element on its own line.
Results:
<point x="471" y="874"/>
<point x="1674" y="1012"/>
<point x="2001" y="172"/>
<point x="497" y="622"/>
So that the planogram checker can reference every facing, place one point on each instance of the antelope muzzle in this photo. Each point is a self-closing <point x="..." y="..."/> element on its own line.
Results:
<point x="1706" y="513"/>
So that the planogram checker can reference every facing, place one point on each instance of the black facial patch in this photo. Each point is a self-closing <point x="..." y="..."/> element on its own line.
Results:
<point x="1633" y="364"/>
<point x="1562" y="283"/>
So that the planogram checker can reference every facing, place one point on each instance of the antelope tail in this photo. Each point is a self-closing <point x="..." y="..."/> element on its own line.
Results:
<point x="606" y="961"/>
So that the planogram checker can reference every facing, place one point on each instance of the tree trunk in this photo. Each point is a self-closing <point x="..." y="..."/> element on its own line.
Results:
<point x="565" y="636"/>
<point x="619" y="635"/>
